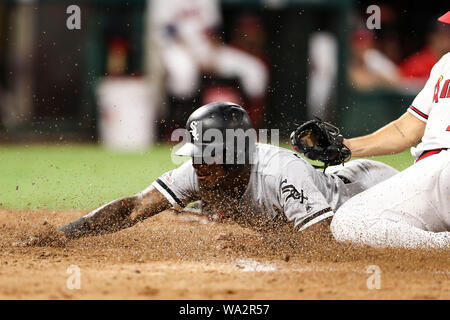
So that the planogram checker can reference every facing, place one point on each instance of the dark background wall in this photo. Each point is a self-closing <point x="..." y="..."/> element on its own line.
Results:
<point x="67" y="64"/>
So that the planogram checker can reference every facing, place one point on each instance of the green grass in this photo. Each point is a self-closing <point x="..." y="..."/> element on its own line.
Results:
<point x="75" y="176"/>
<point x="87" y="176"/>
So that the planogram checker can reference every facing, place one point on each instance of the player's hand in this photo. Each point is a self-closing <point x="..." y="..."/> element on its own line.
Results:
<point x="52" y="238"/>
<point x="30" y="242"/>
<point x="347" y="144"/>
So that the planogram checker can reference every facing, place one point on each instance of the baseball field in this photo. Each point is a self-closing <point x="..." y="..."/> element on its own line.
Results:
<point x="175" y="255"/>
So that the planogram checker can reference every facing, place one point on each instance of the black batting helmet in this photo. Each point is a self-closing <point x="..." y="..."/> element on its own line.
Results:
<point x="220" y="126"/>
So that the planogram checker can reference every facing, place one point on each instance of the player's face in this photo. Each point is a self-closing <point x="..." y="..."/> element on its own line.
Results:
<point x="210" y="175"/>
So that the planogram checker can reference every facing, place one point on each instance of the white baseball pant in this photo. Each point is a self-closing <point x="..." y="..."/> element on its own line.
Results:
<point x="409" y="210"/>
<point x="184" y="69"/>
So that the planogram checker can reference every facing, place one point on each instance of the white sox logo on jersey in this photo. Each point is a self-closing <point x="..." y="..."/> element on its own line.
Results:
<point x="445" y="93"/>
<point x="292" y="192"/>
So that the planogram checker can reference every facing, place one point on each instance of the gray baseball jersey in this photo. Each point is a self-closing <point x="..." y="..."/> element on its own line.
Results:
<point x="281" y="182"/>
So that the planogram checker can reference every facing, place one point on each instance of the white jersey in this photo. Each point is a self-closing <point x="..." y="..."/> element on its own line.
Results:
<point x="185" y="21"/>
<point x="432" y="105"/>
<point x="281" y="182"/>
<point x="181" y="31"/>
<point x="193" y="15"/>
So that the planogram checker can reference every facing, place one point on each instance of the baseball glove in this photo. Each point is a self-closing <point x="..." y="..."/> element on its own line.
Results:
<point x="319" y="140"/>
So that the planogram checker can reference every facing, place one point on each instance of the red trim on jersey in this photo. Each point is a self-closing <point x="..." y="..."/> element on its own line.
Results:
<point x="420" y="113"/>
<point x="429" y="153"/>
<point x="444" y="89"/>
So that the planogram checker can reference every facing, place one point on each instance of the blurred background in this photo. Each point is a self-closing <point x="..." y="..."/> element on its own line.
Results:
<point x="83" y="81"/>
<point x="134" y="70"/>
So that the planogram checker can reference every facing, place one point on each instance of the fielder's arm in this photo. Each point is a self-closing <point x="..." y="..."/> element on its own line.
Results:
<point x="393" y="138"/>
<point x="118" y="214"/>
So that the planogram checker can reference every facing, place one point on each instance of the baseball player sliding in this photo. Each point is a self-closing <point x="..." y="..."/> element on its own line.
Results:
<point x="249" y="182"/>
<point x="411" y="209"/>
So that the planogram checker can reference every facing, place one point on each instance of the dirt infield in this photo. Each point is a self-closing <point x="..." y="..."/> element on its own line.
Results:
<point x="171" y="257"/>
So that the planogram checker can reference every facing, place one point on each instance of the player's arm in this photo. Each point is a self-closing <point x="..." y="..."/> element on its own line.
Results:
<point x="172" y="189"/>
<point x="393" y="138"/>
<point x="118" y="214"/>
<point x="404" y="132"/>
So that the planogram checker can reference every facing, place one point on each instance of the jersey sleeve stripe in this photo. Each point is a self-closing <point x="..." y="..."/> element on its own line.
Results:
<point x="165" y="190"/>
<point x="315" y="218"/>
<point x="420" y="113"/>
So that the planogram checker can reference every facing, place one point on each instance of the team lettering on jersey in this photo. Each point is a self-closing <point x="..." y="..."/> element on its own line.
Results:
<point x="292" y="192"/>
<point x="444" y="92"/>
